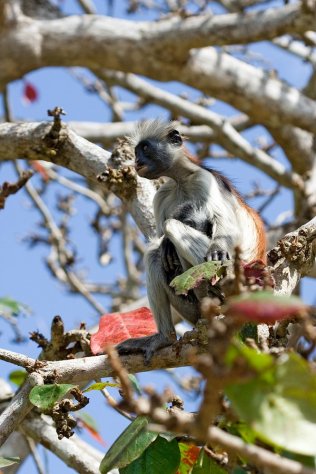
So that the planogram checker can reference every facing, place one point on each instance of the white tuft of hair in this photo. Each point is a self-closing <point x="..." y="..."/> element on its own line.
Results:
<point x="156" y="129"/>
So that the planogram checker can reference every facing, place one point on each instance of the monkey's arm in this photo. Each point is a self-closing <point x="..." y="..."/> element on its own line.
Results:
<point x="191" y="244"/>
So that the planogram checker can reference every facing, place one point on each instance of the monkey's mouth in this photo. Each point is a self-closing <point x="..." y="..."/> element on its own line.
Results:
<point x="141" y="169"/>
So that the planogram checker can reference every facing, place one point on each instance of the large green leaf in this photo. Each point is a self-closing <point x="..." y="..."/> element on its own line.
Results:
<point x="258" y="361"/>
<point x="206" y="465"/>
<point x="129" y="445"/>
<point x="6" y="461"/>
<point x="195" y="275"/>
<point x="45" y="396"/>
<point x="280" y="404"/>
<point x="161" y="457"/>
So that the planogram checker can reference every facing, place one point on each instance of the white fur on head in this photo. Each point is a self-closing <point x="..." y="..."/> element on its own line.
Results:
<point x="155" y="128"/>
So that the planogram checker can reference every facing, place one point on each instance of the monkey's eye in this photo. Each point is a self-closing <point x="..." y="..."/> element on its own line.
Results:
<point x="145" y="147"/>
<point x="174" y="138"/>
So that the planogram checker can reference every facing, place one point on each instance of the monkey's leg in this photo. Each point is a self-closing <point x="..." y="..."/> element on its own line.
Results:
<point x="160" y="297"/>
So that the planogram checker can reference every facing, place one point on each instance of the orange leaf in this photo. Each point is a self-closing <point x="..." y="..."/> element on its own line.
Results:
<point x="117" y="327"/>
<point x="37" y="166"/>
<point x="95" y="434"/>
<point x="189" y="456"/>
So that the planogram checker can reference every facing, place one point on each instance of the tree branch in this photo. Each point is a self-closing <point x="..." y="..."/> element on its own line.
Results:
<point x="83" y="370"/>
<point x="107" y="133"/>
<point x="225" y="133"/>
<point x="265" y="99"/>
<point x="293" y="257"/>
<point x="32" y="141"/>
<point x="61" y="40"/>
<point x="18" y="408"/>
<point x="75" y="454"/>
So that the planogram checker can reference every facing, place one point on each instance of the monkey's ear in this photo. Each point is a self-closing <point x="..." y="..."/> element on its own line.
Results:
<point x="174" y="138"/>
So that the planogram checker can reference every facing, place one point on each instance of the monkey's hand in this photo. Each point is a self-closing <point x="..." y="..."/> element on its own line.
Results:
<point x="216" y="254"/>
<point x="169" y="257"/>
<point x="146" y="345"/>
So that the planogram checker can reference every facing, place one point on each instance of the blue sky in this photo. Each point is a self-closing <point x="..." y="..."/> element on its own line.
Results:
<point x="24" y="276"/>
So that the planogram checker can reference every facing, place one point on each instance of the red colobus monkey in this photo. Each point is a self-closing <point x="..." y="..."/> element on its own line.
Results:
<point x="199" y="215"/>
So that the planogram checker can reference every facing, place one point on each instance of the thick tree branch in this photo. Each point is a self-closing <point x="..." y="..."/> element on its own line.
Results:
<point x="95" y="42"/>
<point x="265" y="99"/>
<point x="83" y="370"/>
<point x="62" y="39"/>
<point x="18" y="408"/>
<point x="293" y="257"/>
<point x="107" y="133"/>
<point x="33" y="142"/>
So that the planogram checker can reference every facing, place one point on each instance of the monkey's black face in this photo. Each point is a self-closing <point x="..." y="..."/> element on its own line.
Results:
<point x="154" y="158"/>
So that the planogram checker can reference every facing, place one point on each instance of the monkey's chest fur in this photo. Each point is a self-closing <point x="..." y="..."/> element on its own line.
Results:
<point x="187" y="204"/>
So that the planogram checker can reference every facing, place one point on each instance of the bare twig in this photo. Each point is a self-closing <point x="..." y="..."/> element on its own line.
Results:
<point x="58" y="241"/>
<point x="37" y="460"/>
<point x="8" y="189"/>
<point x="87" y="6"/>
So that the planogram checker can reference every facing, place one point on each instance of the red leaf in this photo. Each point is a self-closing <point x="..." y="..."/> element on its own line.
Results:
<point x="189" y="456"/>
<point x="117" y="327"/>
<point x="95" y="434"/>
<point x="257" y="269"/>
<point x="30" y="93"/>
<point x="264" y="307"/>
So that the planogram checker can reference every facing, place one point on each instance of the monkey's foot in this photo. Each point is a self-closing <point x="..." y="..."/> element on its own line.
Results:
<point x="146" y="345"/>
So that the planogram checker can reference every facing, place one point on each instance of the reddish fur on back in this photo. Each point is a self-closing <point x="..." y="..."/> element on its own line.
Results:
<point x="261" y="247"/>
<point x="261" y="235"/>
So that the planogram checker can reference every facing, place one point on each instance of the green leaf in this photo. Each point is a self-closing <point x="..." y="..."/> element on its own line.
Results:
<point x="100" y="386"/>
<point x="45" y="396"/>
<point x="6" y="461"/>
<point x="17" y="377"/>
<point x="195" y="275"/>
<point x="135" y="384"/>
<point x="11" y="307"/>
<point x="207" y="465"/>
<point x="129" y="445"/>
<point x="258" y="361"/>
<point x="308" y="461"/>
<point x="240" y="429"/>
<point x="280" y="404"/>
<point x="161" y="457"/>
